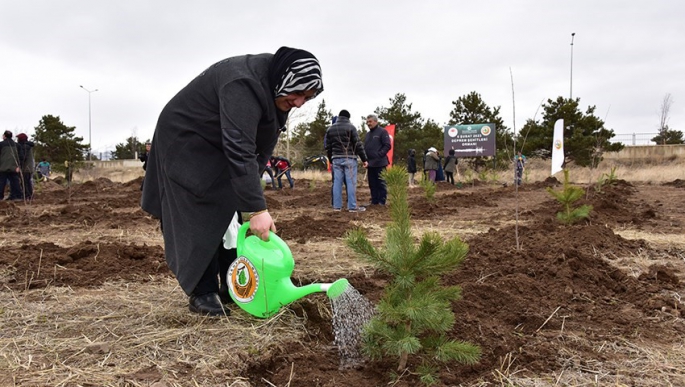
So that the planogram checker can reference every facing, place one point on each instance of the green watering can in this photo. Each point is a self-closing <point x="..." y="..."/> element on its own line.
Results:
<point x="259" y="279"/>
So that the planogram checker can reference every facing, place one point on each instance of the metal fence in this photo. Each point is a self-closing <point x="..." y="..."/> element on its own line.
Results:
<point x="634" y="139"/>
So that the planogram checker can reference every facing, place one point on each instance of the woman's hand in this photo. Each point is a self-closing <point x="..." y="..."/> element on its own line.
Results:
<point x="260" y="225"/>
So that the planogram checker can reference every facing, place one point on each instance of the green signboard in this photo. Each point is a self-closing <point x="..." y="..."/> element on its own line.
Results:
<point x="470" y="140"/>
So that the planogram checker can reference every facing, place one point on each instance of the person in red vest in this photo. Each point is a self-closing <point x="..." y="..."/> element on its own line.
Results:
<point x="282" y="166"/>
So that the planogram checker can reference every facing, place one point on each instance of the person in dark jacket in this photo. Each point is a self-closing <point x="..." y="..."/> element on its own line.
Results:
<point x="377" y="145"/>
<point x="449" y="167"/>
<point x="9" y="167"/>
<point x="26" y="164"/>
<point x="143" y="156"/>
<point x="411" y="167"/>
<point x="209" y="149"/>
<point x="343" y="147"/>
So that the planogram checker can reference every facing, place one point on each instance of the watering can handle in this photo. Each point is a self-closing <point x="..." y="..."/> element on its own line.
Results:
<point x="274" y="240"/>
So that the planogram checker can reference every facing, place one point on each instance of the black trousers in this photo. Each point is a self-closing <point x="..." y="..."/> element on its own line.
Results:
<point x="15" y="185"/>
<point x="216" y="271"/>
<point x="449" y="176"/>
<point x="379" y="191"/>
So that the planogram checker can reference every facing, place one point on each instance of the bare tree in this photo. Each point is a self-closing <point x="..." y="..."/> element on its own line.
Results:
<point x="663" y="118"/>
<point x="296" y="116"/>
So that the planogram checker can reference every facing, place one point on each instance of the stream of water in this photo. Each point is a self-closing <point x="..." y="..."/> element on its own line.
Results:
<point x="351" y="311"/>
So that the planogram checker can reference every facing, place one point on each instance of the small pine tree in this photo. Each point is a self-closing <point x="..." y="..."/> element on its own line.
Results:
<point x="429" y="188"/>
<point x="415" y="313"/>
<point x="567" y="196"/>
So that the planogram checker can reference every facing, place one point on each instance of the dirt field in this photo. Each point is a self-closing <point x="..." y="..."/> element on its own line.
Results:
<point x="87" y="299"/>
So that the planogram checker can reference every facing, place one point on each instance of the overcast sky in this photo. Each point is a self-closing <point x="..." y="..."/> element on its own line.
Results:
<point x="626" y="57"/>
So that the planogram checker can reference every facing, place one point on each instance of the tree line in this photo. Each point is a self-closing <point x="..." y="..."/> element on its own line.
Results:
<point x="586" y="138"/>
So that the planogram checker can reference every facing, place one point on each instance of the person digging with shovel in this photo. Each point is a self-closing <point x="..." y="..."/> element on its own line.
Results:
<point x="209" y="149"/>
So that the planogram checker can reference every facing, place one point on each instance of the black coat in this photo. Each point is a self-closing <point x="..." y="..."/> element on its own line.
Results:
<point x="143" y="158"/>
<point x="411" y="164"/>
<point x="377" y="145"/>
<point x="211" y="143"/>
<point x="342" y="140"/>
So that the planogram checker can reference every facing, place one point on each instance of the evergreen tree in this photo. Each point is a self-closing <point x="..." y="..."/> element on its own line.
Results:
<point x="669" y="136"/>
<point x="567" y="197"/>
<point x="128" y="149"/>
<point x="399" y="113"/>
<point x="411" y="131"/>
<point x="414" y="315"/>
<point x="585" y="138"/>
<point x="666" y="135"/>
<point x="471" y="109"/>
<point x="58" y="143"/>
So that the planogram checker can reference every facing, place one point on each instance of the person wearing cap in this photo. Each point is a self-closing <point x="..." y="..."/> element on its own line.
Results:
<point x="26" y="164"/>
<point x="377" y="145"/>
<point x="9" y="167"/>
<point x="209" y="150"/>
<point x="432" y="163"/>
<point x="343" y="147"/>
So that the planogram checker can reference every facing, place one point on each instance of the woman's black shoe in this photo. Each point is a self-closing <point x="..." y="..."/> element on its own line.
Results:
<point x="207" y="304"/>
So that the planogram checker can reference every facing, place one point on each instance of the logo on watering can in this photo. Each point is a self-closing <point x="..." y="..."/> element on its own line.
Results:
<point x="244" y="279"/>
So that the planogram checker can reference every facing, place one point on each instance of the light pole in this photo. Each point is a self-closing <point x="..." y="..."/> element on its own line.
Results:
<point x="90" y="139"/>
<point x="573" y="34"/>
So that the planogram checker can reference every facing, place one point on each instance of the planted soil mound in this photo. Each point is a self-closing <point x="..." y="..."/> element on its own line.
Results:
<point x="538" y="296"/>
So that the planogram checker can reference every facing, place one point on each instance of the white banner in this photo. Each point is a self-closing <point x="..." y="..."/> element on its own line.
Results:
<point x="558" y="146"/>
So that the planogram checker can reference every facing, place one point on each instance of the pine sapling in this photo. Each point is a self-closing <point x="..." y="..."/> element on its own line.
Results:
<point x="567" y="196"/>
<point x="429" y="188"/>
<point x="414" y="316"/>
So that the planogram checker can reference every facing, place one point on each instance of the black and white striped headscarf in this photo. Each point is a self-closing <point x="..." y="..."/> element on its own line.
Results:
<point x="294" y="70"/>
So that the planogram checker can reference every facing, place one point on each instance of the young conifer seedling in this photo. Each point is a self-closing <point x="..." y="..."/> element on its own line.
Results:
<point x="567" y="196"/>
<point x="414" y="316"/>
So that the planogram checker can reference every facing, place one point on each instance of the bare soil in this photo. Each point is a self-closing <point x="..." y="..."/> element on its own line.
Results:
<point x="538" y="297"/>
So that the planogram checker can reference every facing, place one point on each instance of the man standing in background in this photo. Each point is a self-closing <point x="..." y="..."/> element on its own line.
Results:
<point x="343" y="147"/>
<point x="143" y="157"/>
<point x="26" y="164"/>
<point x="9" y="166"/>
<point x="377" y="144"/>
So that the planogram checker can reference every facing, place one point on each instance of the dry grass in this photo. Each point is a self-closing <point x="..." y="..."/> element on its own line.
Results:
<point x="130" y="335"/>
<point x="537" y="170"/>
<point x="641" y="364"/>
<point x="134" y="335"/>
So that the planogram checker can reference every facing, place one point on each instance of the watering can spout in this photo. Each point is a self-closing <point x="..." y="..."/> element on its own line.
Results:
<point x="293" y="293"/>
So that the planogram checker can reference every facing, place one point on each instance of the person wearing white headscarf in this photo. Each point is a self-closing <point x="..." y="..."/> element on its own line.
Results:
<point x="432" y="163"/>
<point x="209" y="149"/>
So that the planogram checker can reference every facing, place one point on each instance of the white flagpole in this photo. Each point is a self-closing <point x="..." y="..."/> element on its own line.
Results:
<point x="558" y="146"/>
